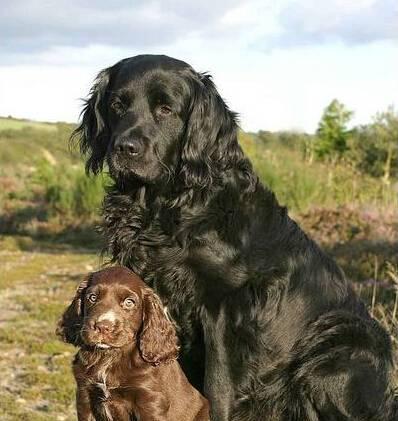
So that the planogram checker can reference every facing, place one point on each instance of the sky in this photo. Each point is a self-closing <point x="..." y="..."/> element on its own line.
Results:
<point x="277" y="63"/>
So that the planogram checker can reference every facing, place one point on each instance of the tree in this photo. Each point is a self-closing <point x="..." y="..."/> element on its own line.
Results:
<point x="332" y="133"/>
<point x="385" y="128"/>
<point x="364" y="153"/>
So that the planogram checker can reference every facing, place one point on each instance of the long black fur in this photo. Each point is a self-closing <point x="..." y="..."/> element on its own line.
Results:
<point x="269" y="326"/>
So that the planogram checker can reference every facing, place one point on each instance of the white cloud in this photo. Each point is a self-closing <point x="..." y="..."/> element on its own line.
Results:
<point x="304" y="22"/>
<point x="36" y="25"/>
<point x="51" y="54"/>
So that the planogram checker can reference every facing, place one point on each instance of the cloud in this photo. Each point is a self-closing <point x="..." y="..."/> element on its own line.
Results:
<point x="34" y="25"/>
<point x="306" y="22"/>
<point x="35" y="30"/>
<point x="278" y="63"/>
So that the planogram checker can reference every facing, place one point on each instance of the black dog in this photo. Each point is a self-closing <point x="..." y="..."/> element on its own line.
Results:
<point x="270" y="328"/>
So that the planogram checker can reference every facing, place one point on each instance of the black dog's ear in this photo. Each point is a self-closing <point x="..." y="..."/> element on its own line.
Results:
<point x="92" y="134"/>
<point x="71" y="322"/>
<point x="211" y="135"/>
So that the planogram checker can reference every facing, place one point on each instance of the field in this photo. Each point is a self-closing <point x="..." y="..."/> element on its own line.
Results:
<point x="19" y="124"/>
<point x="36" y="382"/>
<point x="48" y="241"/>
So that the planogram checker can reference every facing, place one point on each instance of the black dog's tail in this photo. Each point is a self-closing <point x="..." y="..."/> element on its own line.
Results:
<point x="338" y="371"/>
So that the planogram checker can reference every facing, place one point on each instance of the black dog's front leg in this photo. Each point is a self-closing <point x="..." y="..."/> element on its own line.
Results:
<point x="218" y="385"/>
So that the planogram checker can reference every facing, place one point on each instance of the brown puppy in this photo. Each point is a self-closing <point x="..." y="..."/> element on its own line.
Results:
<point x="126" y="365"/>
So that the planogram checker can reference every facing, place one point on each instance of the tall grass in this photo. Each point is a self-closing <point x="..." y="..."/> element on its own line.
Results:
<point x="387" y="312"/>
<point x="300" y="185"/>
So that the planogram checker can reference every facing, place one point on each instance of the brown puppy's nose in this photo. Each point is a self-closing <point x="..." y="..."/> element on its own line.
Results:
<point x="103" y="326"/>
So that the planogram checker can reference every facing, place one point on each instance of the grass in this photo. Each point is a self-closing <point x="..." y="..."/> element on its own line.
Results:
<point x="24" y="143"/>
<point x="7" y="123"/>
<point x="301" y="185"/>
<point x="35" y="287"/>
<point x="36" y="380"/>
<point x="298" y="184"/>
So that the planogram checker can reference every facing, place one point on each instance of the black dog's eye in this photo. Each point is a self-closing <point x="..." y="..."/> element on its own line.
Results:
<point x="118" y="107"/>
<point x="92" y="298"/>
<point x="129" y="302"/>
<point x="164" y="110"/>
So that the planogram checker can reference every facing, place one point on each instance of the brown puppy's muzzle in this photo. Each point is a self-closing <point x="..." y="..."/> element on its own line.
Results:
<point x="105" y="330"/>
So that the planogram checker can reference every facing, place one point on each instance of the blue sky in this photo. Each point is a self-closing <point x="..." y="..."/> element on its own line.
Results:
<point x="277" y="63"/>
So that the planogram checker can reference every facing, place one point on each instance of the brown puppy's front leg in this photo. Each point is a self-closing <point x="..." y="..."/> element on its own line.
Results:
<point x="204" y="413"/>
<point x="83" y="406"/>
<point x="152" y="406"/>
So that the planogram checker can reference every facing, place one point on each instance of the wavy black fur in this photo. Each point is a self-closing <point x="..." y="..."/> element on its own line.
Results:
<point x="270" y="328"/>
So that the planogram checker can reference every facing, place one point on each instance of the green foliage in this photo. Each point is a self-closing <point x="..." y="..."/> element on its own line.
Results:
<point x="301" y="185"/>
<point x="52" y="177"/>
<point x="374" y="147"/>
<point x="44" y="182"/>
<point x="332" y="133"/>
<point x="289" y="139"/>
<point x="68" y="191"/>
<point x="88" y="194"/>
<point x="385" y="128"/>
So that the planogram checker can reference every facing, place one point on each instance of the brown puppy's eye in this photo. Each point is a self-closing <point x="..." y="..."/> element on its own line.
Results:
<point x="129" y="303"/>
<point x="92" y="298"/>
<point x="164" y="110"/>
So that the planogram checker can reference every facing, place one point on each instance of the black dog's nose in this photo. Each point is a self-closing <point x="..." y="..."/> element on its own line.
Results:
<point x="129" y="146"/>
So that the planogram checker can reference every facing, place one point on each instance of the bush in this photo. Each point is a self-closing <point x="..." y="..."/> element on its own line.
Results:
<point x="68" y="192"/>
<point x="88" y="194"/>
<point x="300" y="185"/>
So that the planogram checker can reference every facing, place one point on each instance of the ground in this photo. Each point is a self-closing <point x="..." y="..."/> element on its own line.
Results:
<point x="36" y="382"/>
<point x="39" y="277"/>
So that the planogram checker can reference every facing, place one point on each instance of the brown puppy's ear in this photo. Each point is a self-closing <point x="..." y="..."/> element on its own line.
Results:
<point x="71" y="322"/>
<point x="158" y="341"/>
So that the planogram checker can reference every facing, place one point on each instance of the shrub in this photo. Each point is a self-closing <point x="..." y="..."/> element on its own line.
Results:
<point x="68" y="192"/>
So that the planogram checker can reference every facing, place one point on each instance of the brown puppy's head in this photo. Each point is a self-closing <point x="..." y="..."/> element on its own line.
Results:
<point x="113" y="308"/>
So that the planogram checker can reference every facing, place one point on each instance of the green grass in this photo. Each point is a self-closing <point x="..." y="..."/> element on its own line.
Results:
<point x="36" y="381"/>
<point x="19" y="124"/>
<point x="24" y="143"/>
<point x="25" y="146"/>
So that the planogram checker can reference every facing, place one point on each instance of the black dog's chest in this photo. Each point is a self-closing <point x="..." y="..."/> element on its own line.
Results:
<point x="206" y="266"/>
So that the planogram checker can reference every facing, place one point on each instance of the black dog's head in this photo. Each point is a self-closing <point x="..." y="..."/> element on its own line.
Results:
<point x="153" y="119"/>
